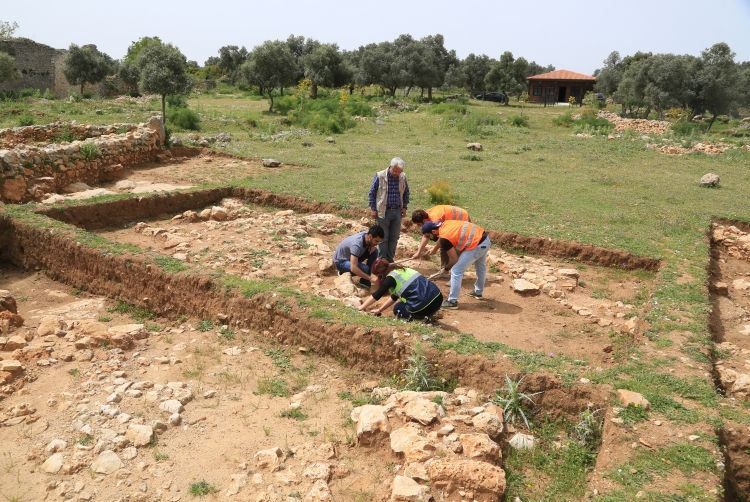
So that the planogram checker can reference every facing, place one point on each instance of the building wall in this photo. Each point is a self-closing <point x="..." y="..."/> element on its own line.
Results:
<point x="35" y="63"/>
<point x="551" y="90"/>
<point x="39" y="67"/>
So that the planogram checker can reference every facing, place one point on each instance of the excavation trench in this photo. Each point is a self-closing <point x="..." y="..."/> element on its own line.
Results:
<point x="138" y="280"/>
<point x="728" y="264"/>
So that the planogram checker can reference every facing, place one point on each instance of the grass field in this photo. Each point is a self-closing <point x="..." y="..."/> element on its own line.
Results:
<point x="538" y="180"/>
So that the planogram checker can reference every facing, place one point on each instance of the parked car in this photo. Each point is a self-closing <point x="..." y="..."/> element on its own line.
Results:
<point x="601" y="98"/>
<point x="499" y="97"/>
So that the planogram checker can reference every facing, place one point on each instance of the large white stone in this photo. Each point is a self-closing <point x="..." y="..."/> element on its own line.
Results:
<point x="107" y="462"/>
<point x="139" y="435"/>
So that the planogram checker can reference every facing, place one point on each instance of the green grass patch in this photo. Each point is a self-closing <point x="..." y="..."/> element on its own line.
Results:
<point x="277" y="387"/>
<point x="137" y="313"/>
<point x="202" y="488"/>
<point x="170" y="265"/>
<point x="294" y="414"/>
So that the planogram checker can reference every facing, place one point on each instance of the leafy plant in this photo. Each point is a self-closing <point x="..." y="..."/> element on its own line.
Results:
<point x="440" y="192"/>
<point x="226" y="333"/>
<point x="90" y="151"/>
<point x="205" y="325"/>
<point x="588" y="430"/>
<point x="25" y="120"/>
<point x="516" y="404"/>
<point x="294" y="413"/>
<point x="184" y="118"/>
<point x="201" y="488"/>
<point x="273" y="386"/>
<point x="519" y="120"/>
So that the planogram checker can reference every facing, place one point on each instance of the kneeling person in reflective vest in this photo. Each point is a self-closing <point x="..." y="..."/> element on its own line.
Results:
<point x="414" y="296"/>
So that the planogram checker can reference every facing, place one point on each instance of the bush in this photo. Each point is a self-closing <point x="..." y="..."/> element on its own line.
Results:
<point x="440" y="192"/>
<point x="686" y="128"/>
<point x="322" y="115"/>
<point x="89" y="150"/>
<point x="64" y="135"/>
<point x="177" y="101"/>
<point x="284" y="104"/>
<point x="25" y="120"/>
<point x="564" y="120"/>
<point x="591" y="123"/>
<point x="358" y="107"/>
<point x="519" y="120"/>
<point x="184" y="118"/>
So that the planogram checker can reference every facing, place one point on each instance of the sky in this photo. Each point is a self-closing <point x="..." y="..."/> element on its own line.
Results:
<point x="575" y="36"/>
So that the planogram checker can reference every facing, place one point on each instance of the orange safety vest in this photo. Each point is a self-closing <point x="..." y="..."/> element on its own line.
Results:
<point x="443" y="213"/>
<point x="462" y="234"/>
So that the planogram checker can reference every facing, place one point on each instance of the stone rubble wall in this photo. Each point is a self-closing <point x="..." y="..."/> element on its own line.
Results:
<point x="28" y="172"/>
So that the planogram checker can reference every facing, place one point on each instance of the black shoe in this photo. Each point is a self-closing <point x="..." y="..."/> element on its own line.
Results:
<point x="474" y="294"/>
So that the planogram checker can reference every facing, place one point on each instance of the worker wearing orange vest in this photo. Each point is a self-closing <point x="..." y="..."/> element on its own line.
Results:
<point x="437" y="214"/>
<point x="473" y="244"/>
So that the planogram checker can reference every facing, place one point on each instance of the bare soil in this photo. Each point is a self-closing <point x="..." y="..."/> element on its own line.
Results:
<point x="219" y="435"/>
<point x="261" y="243"/>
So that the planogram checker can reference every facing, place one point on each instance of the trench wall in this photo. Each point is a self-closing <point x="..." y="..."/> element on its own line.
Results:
<point x="117" y="212"/>
<point x="137" y="280"/>
<point x="28" y="171"/>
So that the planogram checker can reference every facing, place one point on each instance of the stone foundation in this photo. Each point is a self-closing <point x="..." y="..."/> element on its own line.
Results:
<point x="96" y="153"/>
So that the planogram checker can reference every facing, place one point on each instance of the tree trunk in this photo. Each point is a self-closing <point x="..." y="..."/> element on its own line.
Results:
<point x="164" y="109"/>
<point x="713" y="117"/>
<point x="429" y="94"/>
<point x="393" y="91"/>
<point x="82" y="90"/>
<point x="270" y="96"/>
<point x="408" y="90"/>
<point x="314" y="91"/>
<point x="351" y="89"/>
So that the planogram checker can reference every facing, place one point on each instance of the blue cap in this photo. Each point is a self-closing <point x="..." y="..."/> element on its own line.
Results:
<point x="428" y="227"/>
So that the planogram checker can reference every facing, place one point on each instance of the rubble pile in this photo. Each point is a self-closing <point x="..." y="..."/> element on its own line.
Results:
<point x="642" y="126"/>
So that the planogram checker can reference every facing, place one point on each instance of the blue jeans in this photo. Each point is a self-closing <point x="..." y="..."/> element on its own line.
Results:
<point x="390" y="222"/>
<point x="346" y="265"/>
<point x="477" y="256"/>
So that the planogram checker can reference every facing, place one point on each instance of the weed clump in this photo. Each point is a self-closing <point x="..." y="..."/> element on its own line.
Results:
<point x="440" y="192"/>
<point x="90" y="151"/>
<point x="420" y="375"/>
<point x="201" y="488"/>
<point x="519" y="120"/>
<point x="516" y="404"/>
<point x="184" y="118"/>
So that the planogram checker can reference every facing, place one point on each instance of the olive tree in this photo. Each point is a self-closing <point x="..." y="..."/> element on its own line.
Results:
<point x="8" y="29"/>
<point x="86" y="65"/>
<point x="325" y="66"/>
<point x="162" y="69"/>
<point x="270" y="65"/>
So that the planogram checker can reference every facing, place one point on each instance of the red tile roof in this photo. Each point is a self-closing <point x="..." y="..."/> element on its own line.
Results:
<point x="562" y="75"/>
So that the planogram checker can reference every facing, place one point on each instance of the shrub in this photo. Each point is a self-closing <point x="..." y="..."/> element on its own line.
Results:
<point x="284" y="104"/>
<point x="64" y="135"/>
<point x="564" y="120"/>
<point x="25" y="120"/>
<point x="184" y="118"/>
<point x="440" y="192"/>
<point x="177" y="101"/>
<point x="591" y="123"/>
<point x="358" y="107"/>
<point x="89" y="150"/>
<point x="322" y="115"/>
<point x="419" y="375"/>
<point x="49" y="95"/>
<point x="519" y="120"/>
<point x="686" y="128"/>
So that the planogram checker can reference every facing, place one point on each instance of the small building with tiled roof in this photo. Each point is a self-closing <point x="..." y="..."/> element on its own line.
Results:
<point x="558" y="86"/>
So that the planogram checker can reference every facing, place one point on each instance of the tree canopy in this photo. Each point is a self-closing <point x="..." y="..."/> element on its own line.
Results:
<point x="7" y="67"/>
<point x="270" y="65"/>
<point x="162" y="69"/>
<point x="86" y="65"/>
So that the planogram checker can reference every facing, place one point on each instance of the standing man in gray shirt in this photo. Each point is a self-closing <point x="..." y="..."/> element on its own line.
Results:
<point x="389" y="198"/>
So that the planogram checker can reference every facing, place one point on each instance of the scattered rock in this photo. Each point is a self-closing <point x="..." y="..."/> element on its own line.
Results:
<point x="406" y="489"/>
<point x="271" y="163"/>
<point x="709" y="180"/>
<point x="372" y="423"/>
<point x="269" y="459"/>
<point x="107" y="462"/>
<point x="53" y="464"/>
<point x="628" y="397"/>
<point x="139" y="435"/>
<point x="524" y="287"/>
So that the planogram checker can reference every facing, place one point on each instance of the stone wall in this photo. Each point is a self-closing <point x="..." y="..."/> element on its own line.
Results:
<point x="58" y="132"/>
<point x="39" y="67"/>
<point x="27" y="172"/>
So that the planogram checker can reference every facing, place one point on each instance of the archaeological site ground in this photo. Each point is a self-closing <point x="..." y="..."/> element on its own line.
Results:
<point x="172" y="329"/>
